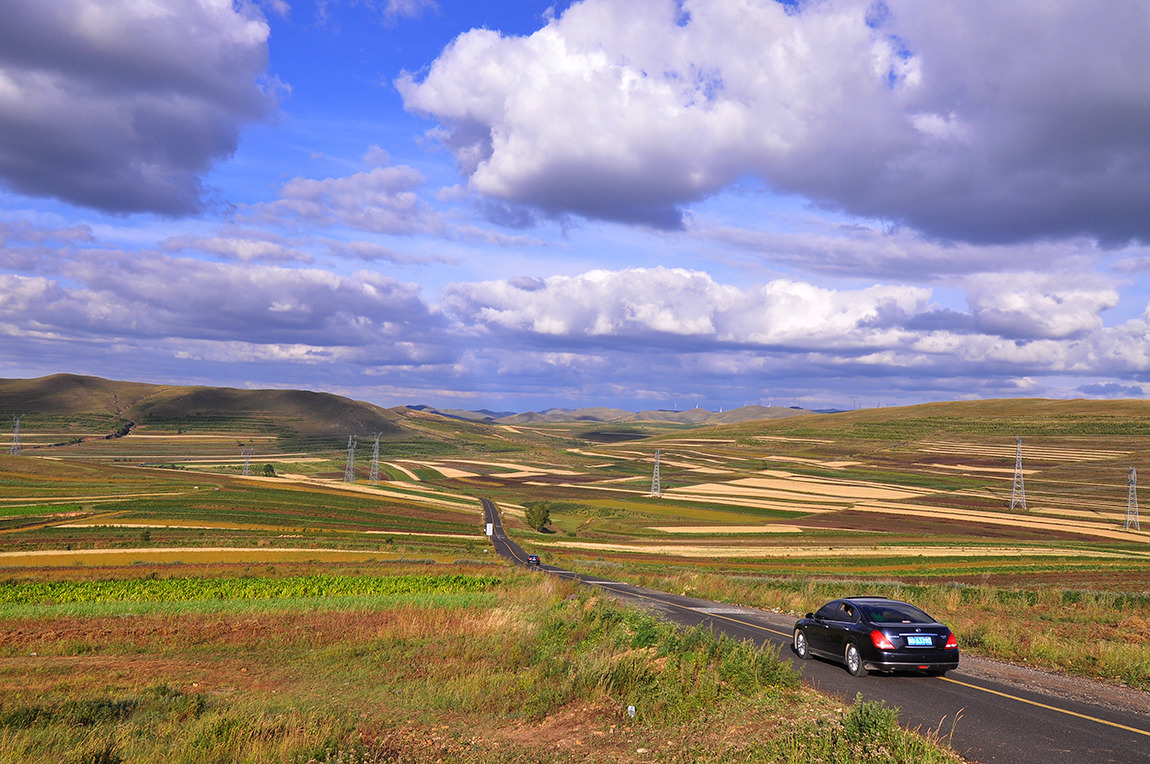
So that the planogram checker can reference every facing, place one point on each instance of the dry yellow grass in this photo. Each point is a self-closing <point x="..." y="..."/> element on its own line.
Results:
<point x="731" y="490"/>
<point x="447" y="472"/>
<point x="848" y="489"/>
<point x="834" y="464"/>
<point x="425" y="495"/>
<point x="988" y="470"/>
<point x="728" y="529"/>
<point x="89" y="497"/>
<point x="1082" y="527"/>
<point x="692" y="466"/>
<point x="1008" y="451"/>
<point x="535" y="469"/>
<point x="201" y="555"/>
<point x="767" y="551"/>
<point x="216" y="437"/>
<point x="216" y="526"/>
<point x="799" y="489"/>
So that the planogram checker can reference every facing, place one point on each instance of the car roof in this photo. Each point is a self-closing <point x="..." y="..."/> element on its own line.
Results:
<point x="871" y="601"/>
<point x="868" y="599"/>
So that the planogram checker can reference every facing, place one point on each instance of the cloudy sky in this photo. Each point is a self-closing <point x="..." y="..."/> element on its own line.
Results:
<point x="635" y="203"/>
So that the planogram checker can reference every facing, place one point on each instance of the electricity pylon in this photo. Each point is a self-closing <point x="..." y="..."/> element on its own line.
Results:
<point x="656" y="487"/>
<point x="349" y="470"/>
<point x="16" y="436"/>
<point x="1132" y="502"/>
<point x="373" y="476"/>
<point x="247" y="452"/>
<point x="1018" y="490"/>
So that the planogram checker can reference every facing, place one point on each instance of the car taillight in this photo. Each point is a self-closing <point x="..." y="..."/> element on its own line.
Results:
<point x="881" y="641"/>
<point x="952" y="642"/>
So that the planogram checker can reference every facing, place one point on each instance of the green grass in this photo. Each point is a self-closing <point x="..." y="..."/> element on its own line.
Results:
<point x="412" y="679"/>
<point x="7" y="512"/>
<point x="198" y="589"/>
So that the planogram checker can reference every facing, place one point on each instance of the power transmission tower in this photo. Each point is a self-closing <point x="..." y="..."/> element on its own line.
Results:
<point x="1132" y="502"/>
<point x="656" y="487"/>
<point x="349" y="470"/>
<point x="373" y="476"/>
<point x="247" y="452"/>
<point x="1018" y="490"/>
<point x="16" y="436"/>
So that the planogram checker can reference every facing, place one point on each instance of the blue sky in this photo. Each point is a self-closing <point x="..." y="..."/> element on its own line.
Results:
<point x="634" y="203"/>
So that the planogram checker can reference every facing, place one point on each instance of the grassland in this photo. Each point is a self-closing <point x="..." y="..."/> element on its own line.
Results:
<point x="404" y="666"/>
<point x="784" y="513"/>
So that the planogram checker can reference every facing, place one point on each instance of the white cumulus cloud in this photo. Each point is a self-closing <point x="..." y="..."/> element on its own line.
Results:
<point x="1035" y="305"/>
<point x="972" y="120"/>
<point x="684" y="306"/>
<point x="380" y="200"/>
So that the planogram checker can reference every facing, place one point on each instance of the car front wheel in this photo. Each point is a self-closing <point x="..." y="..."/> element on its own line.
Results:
<point x="801" y="648"/>
<point x="853" y="658"/>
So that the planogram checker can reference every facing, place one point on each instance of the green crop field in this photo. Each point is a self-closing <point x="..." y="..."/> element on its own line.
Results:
<point x="200" y="589"/>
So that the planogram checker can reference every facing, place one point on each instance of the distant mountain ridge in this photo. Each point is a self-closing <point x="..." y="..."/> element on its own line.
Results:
<point x="598" y="414"/>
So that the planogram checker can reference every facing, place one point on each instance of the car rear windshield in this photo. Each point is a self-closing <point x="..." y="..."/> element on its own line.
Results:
<point x="896" y="612"/>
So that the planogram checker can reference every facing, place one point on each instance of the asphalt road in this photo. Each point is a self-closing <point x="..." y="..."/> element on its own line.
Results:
<point x="986" y="721"/>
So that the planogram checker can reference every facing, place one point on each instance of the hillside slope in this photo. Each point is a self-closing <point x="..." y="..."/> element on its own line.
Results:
<point x="299" y="411"/>
<point x="1006" y="417"/>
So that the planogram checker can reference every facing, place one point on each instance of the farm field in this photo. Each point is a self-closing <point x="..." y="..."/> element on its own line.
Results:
<point x="871" y="500"/>
<point x="383" y="663"/>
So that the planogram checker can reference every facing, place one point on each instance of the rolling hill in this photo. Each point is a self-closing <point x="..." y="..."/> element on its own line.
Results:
<point x="293" y="411"/>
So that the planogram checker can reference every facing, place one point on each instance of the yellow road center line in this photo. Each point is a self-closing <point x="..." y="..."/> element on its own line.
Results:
<point x="1047" y="707"/>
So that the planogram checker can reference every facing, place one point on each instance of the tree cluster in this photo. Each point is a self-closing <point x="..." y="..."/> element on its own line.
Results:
<point x="538" y="515"/>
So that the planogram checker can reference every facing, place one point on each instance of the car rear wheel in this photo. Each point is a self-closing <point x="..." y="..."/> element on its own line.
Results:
<point x="802" y="649"/>
<point x="853" y="658"/>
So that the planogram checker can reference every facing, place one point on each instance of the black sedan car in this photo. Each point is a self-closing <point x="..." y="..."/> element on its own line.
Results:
<point x="532" y="559"/>
<point x="877" y="634"/>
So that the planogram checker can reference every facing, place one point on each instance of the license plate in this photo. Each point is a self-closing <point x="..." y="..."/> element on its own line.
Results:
<point x="915" y="641"/>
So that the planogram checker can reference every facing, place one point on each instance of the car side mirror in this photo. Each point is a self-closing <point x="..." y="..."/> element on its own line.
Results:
<point x="809" y="615"/>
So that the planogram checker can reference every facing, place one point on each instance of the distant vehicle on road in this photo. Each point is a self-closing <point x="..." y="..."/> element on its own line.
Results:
<point x="876" y="634"/>
<point x="532" y="559"/>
